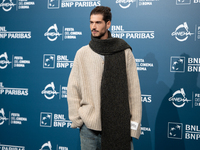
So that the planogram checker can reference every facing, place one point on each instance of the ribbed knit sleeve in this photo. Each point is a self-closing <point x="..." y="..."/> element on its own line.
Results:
<point x="74" y="94"/>
<point x="134" y="95"/>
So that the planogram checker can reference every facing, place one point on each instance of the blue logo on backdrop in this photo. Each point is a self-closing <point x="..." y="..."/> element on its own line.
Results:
<point x="53" y="4"/>
<point x="80" y="3"/>
<point x="14" y="34"/>
<point x="177" y="64"/>
<point x="178" y="98"/>
<point x="7" y="6"/>
<point x="45" y="119"/>
<point x="182" y="32"/>
<point x="49" y="61"/>
<point x="20" y="4"/>
<point x="2" y="116"/>
<point x="125" y="3"/>
<point x="4" y="62"/>
<point x="183" y="2"/>
<point x="49" y="91"/>
<point x="14" y="118"/>
<point x="67" y="33"/>
<point x="17" y="61"/>
<point x="13" y="91"/>
<point x="46" y="146"/>
<point x="61" y="61"/>
<point x="175" y="130"/>
<point x="117" y="31"/>
<point x="52" y="33"/>
<point x="187" y="2"/>
<point x="58" y="120"/>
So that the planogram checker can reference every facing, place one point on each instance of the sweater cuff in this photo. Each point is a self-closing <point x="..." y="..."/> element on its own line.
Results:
<point x="136" y="133"/>
<point x="77" y="124"/>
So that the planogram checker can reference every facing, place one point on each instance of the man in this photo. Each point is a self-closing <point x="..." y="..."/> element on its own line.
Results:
<point x="104" y="95"/>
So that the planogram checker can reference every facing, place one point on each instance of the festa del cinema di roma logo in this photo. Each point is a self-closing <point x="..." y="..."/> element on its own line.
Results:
<point x="125" y="3"/>
<point x="49" y="91"/>
<point x="4" y="60"/>
<point x="48" y="146"/>
<point x="178" y="98"/>
<point x="182" y="32"/>
<point x="67" y="33"/>
<point x="7" y="6"/>
<point x="20" y="4"/>
<point x="52" y="33"/>
<point x="2" y="116"/>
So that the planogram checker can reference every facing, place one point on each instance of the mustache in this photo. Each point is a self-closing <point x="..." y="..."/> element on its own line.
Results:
<point x="95" y="30"/>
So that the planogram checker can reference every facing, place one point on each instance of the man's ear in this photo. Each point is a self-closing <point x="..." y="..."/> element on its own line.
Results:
<point x="108" y="24"/>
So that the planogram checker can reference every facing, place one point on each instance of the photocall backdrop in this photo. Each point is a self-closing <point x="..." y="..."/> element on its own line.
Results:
<point x="38" y="42"/>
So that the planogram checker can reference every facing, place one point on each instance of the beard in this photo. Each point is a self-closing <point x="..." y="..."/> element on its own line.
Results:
<point x="99" y="36"/>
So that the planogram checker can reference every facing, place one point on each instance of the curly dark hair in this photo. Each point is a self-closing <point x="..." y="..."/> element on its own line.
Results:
<point x="103" y="10"/>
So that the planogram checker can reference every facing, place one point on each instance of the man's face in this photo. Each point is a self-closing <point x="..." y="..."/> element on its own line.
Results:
<point x="98" y="26"/>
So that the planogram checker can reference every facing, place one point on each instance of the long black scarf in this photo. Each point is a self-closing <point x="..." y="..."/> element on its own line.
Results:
<point x="115" y="112"/>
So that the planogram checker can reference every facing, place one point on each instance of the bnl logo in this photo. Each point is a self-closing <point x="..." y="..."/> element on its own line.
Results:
<point x="175" y="130"/>
<point x="183" y="2"/>
<point x="45" y="119"/>
<point x="53" y="4"/>
<point x="49" y="61"/>
<point x="177" y="64"/>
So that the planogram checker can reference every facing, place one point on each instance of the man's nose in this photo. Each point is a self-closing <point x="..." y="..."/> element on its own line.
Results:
<point x="94" y="26"/>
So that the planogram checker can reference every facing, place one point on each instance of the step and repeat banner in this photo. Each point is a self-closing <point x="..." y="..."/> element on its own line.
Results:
<point x="38" y="42"/>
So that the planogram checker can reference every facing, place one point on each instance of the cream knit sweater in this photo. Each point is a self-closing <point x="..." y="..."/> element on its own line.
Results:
<point x="83" y="90"/>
